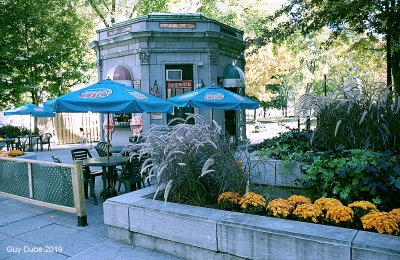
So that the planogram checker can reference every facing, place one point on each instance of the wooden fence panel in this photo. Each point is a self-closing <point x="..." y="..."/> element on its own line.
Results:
<point x="67" y="127"/>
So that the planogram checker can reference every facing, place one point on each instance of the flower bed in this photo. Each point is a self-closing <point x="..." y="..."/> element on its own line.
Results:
<point x="323" y="211"/>
<point x="202" y="233"/>
<point x="11" y="154"/>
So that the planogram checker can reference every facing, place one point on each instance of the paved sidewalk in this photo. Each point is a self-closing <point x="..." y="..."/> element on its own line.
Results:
<point x="32" y="232"/>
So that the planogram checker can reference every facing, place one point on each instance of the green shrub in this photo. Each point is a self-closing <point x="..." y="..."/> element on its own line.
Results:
<point x="358" y="174"/>
<point x="289" y="146"/>
<point x="10" y="131"/>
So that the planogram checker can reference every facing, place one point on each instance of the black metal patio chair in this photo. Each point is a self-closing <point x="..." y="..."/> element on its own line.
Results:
<point x="130" y="175"/>
<point x="81" y="154"/>
<point x="45" y="139"/>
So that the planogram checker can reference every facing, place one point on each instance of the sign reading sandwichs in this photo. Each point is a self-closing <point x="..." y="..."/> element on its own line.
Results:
<point x="179" y="84"/>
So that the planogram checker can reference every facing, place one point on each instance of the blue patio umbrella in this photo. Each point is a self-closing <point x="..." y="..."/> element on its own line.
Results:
<point x="213" y="97"/>
<point x="31" y="110"/>
<point x="108" y="96"/>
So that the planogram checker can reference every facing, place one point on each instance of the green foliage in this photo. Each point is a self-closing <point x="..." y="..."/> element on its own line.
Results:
<point x="226" y="204"/>
<point x="37" y="39"/>
<point x="372" y="18"/>
<point x="113" y="11"/>
<point x="352" y="175"/>
<point x="10" y="131"/>
<point x="256" y="210"/>
<point x="289" y="146"/>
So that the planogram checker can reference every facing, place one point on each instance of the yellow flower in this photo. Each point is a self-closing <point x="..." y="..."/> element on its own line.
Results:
<point x="229" y="196"/>
<point x="279" y="207"/>
<point x="382" y="222"/>
<point x="396" y="215"/>
<point x="306" y="211"/>
<point x="295" y="200"/>
<point x="327" y="203"/>
<point x="252" y="199"/>
<point x="339" y="213"/>
<point x="363" y="205"/>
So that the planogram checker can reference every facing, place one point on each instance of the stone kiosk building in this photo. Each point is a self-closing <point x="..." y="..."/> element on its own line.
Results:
<point x="170" y="54"/>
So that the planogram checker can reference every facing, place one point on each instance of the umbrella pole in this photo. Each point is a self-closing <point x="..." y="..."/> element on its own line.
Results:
<point x="211" y="118"/>
<point x="30" y="148"/>
<point x="108" y="136"/>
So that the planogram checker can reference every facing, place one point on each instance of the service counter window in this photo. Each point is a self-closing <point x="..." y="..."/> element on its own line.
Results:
<point x="122" y="119"/>
<point x="179" y="80"/>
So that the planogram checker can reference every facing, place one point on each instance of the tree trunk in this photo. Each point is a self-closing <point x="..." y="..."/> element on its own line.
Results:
<point x="255" y="115"/>
<point x="396" y="69"/>
<point x="388" y="64"/>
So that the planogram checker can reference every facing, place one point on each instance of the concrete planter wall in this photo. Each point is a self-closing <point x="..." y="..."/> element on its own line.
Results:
<point x="273" y="172"/>
<point x="201" y="233"/>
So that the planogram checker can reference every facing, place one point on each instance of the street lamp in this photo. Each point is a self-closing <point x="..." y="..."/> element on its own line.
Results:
<point x="59" y="77"/>
<point x="325" y="71"/>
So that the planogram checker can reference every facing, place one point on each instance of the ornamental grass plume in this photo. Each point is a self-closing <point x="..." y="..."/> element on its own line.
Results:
<point x="326" y="203"/>
<point x="195" y="160"/>
<point x="381" y="222"/>
<point x="308" y="211"/>
<point x="252" y="203"/>
<point x="340" y="215"/>
<point x="229" y="200"/>
<point x="296" y="200"/>
<point x="279" y="208"/>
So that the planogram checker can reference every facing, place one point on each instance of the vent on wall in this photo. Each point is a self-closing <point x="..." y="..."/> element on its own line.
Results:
<point x="174" y="75"/>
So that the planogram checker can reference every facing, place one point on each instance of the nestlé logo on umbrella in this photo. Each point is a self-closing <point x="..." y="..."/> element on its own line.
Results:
<point x="188" y="95"/>
<point x="238" y="97"/>
<point x="20" y="108"/>
<point x="95" y="93"/>
<point x="214" y="96"/>
<point x="137" y="95"/>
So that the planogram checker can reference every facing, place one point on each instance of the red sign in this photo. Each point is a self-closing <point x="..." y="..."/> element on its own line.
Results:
<point x="110" y="125"/>
<point x="179" y="84"/>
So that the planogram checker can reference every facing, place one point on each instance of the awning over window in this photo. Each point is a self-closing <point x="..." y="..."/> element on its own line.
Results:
<point x="233" y="77"/>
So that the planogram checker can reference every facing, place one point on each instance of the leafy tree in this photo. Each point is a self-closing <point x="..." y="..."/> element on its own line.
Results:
<point x="374" y="18"/>
<point x="112" y="11"/>
<point x="37" y="39"/>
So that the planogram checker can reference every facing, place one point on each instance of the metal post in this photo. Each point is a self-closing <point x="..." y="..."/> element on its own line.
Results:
<point x="325" y="85"/>
<point x="59" y="77"/>
<point x="59" y="87"/>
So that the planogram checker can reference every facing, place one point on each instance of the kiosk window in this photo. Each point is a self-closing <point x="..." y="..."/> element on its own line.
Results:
<point x="179" y="85"/>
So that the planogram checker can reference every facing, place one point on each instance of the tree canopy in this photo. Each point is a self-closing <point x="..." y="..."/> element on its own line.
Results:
<point x="375" y="18"/>
<point x="113" y="11"/>
<point x="38" y="39"/>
